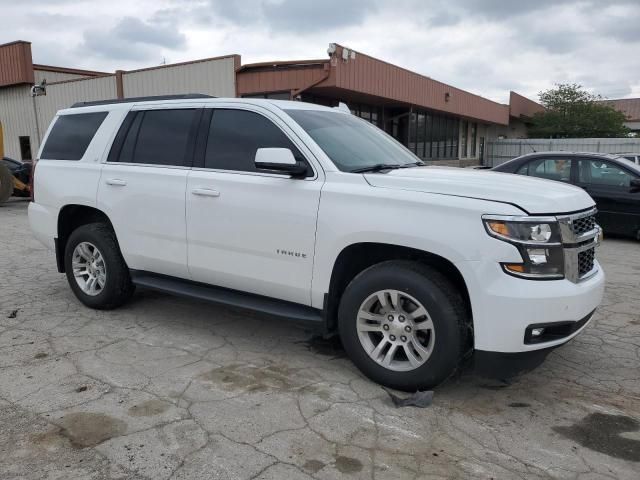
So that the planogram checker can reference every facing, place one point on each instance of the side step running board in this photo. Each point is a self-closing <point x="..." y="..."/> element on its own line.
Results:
<point x="225" y="296"/>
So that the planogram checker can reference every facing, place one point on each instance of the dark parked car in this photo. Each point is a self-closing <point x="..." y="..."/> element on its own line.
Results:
<point x="611" y="180"/>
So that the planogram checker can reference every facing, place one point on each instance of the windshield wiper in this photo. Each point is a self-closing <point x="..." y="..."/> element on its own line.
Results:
<point x="385" y="166"/>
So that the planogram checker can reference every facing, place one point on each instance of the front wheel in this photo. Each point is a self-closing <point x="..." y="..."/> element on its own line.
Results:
<point x="96" y="271"/>
<point x="403" y="324"/>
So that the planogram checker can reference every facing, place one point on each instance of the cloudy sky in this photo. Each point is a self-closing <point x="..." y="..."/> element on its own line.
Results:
<point x="485" y="46"/>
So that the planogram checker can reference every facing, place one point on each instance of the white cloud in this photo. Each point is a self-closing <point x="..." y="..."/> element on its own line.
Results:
<point x="487" y="47"/>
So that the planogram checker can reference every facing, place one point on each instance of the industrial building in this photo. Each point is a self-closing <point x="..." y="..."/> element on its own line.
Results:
<point x="631" y="109"/>
<point x="438" y="122"/>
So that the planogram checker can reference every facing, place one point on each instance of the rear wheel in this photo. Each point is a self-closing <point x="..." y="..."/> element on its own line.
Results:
<point x="96" y="271"/>
<point x="6" y="183"/>
<point x="403" y="324"/>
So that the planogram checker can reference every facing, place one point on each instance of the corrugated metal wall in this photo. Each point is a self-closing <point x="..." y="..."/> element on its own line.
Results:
<point x="16" y="65"/>
<point x="213" y="77"/>
<point x="520" y="106"/>
<point x="374" y="77"/>
<point x="65" y="94"/>
<point x="52" y="77"/>
<point x="17" y="117"/>
<point x="274" y="80"/>
<point x="500" y="151"/>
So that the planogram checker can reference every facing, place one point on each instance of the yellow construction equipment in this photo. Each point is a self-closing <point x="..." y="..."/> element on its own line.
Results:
<point x="10" y="184"/>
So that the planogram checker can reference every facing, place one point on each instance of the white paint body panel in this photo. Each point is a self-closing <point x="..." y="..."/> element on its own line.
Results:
<point x="148" y="216"/>
<point x="228" y="228"/>
<point x="258" y="235"/>
<point x="534" y="195"/>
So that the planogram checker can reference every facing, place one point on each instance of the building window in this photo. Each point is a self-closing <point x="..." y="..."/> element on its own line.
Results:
<point x="412" y="132"/>
<point x="420" y="135"/>
<point x="463" y="139"/>
<point x="474" y="138"/>
<point x="367" y="112"/>
<point x="455" y="135"/>
<point x="428" y="135"/>
<point x="270" y="95"/>
<point x="25" y="148"/>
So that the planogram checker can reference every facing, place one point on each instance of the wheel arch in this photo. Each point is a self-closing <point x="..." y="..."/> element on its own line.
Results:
<point x="71" y="217"/>
<point x="357" y="257"/>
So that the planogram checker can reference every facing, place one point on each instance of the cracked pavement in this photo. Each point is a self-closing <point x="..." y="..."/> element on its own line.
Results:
<point x="171" y="388"/>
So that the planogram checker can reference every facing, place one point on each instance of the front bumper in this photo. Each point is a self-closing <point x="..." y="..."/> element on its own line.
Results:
<point x="504" y="307"/>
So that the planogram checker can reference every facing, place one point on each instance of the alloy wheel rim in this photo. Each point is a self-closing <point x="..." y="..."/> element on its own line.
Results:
<point x="89" y="268"/>
<point x="395" y="330"/>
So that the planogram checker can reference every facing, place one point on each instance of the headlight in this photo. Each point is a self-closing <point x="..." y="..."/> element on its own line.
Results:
<point x="537" y="239"/>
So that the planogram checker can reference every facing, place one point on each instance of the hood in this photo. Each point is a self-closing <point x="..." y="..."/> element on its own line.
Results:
<point x="533" y="195"/>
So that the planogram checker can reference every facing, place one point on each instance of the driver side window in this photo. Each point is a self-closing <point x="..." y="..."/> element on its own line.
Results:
<point x="602" y="173"/>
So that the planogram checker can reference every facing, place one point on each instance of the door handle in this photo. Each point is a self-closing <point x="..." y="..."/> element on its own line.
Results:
<point x="116" y="182"/>
<point x="205" y="192"/>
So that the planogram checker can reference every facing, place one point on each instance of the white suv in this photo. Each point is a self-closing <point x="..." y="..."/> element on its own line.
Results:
<point x="311" y="213"/>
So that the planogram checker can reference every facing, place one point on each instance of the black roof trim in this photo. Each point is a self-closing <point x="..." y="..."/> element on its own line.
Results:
<point x="185" y="96"/>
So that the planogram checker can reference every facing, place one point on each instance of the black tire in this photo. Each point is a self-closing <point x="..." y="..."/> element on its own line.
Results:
<point x="118" y="287"/>
<point x="446" y="309"/>
<point x="6" y="183"/>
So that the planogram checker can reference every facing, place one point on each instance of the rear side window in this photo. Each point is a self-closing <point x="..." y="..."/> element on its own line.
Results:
<point x="158" y="137"/>
<point x="236" y="135"/>
<point x="558" y="169"/>
<point x="71" y="135"/>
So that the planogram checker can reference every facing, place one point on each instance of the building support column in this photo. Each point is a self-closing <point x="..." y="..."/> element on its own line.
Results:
<point x="119" y="84"/>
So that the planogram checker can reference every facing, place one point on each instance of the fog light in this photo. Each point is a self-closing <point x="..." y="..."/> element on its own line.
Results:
<point x="538" y="256"/>
<point x="536" y="332"/>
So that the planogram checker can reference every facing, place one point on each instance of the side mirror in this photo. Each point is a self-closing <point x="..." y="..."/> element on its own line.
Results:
<point x="279" y="160"/>
<point x="634" y="186"/>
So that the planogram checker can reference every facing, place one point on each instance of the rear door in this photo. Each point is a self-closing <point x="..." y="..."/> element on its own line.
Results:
<point x="609" y="185"/>
<point x="142" y="187"/>
<point x="250" y="230"/>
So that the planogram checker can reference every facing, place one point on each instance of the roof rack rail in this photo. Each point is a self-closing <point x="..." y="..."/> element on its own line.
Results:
<point x="185" y="96"/>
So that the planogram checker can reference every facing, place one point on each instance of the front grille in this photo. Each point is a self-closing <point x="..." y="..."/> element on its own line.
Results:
<point x="585" y="261"/>
<point x="583" y="225"/>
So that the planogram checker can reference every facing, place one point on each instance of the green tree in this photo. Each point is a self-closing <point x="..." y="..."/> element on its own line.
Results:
<point x="572" y="112"/>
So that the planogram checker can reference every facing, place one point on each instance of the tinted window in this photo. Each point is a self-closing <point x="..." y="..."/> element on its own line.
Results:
<point x="598" y="172"/>
<point x="71" y="135"/>
<point x="159" y="137"/>
<point x="236" y="135"/>
<point x="558" y="169"/>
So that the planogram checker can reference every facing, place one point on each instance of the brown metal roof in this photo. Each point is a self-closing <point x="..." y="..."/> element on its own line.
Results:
<point x="367" y="76"/>
<point x="629" y="106"/>
<point x="73" y="71"/>
<point x="520" y="106"/>
<point x="282" y="64"/>
<point x="16" y="66"/>
<point x="280" y="76"/>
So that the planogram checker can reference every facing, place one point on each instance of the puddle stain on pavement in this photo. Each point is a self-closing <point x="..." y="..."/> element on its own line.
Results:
<point x="251" y="378"/>
<point x="604" y="433"/>
<point x="82" y="430"/>
<point x="148" y="408"/>
<point x="343" y="464"/>
<point x="348" y="464"/>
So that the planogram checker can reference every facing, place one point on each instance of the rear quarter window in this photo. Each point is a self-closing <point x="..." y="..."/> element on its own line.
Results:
<point x="71" y="135"/>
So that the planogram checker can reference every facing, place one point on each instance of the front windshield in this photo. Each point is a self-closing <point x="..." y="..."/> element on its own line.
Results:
<point x="350" y="142"/>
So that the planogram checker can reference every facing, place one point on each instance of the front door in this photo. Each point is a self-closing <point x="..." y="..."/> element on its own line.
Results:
<point x="142" y="188"/>
<point x="249" y="230"/>
<point x="609" y="186"/>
